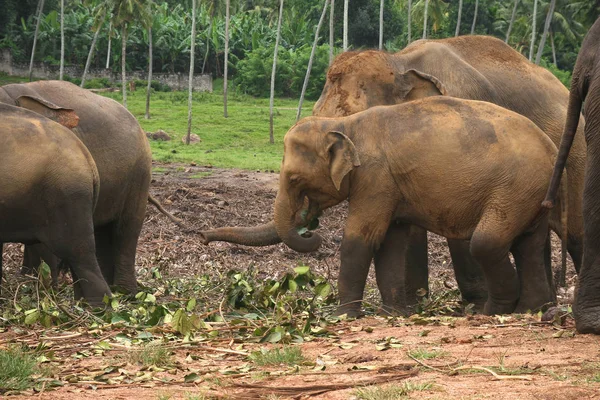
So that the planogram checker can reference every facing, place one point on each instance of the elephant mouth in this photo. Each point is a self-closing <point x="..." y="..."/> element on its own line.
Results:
<point x="308" y="219"/>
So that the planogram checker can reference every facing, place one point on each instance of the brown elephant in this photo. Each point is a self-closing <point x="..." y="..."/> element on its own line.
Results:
<point x="466" y="170"/>
<point x="50" y="187"/>
<point x="585" y="87"/>
<point x="468" y="67"/>
<point x="122" y="155"/>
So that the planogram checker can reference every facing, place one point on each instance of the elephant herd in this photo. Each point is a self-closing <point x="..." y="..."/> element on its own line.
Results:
<point x="454" y="136"/>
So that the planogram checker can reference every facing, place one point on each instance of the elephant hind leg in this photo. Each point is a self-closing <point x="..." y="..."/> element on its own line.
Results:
<point x="468" y="273"/>
<point x="124" y="240"/>
<point x="416" y="271"/>
<point x="105" y="253"/>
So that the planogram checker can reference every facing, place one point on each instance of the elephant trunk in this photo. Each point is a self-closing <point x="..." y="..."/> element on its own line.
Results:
<point x="262" y="235"/>
<point x="286" y="210"/>
<point x="573" y="112"/>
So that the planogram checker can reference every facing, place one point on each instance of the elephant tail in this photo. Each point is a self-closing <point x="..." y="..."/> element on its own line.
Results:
<point x="564" y="207"/>
<point x="160" y="208"/>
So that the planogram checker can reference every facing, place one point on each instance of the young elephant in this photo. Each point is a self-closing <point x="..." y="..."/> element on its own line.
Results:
<point x="49" y="189"/>
<point x="463" y="169"/>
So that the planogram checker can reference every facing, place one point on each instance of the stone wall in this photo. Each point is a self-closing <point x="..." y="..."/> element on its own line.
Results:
<point x="201" y="83"/>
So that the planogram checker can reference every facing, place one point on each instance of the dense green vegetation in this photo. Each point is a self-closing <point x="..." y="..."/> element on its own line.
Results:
<point x="253" y="27"/>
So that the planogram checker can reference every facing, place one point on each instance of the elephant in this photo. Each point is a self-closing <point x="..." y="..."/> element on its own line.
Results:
<point x="469" y="67"/>
<point x="585" y="87"/>
<point x="122" y="155"/>
<point x="464" y="169"/>
<point x="50" y="187"/>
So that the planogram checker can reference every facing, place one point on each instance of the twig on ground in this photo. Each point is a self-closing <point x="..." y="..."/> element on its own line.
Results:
<point x="425" y="365"/>
<point x="496" y="376"/>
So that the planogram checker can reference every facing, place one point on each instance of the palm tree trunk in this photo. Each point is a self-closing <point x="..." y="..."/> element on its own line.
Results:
<point x="109" y="41"/>
<point x="458" y="18"/>
<point x="475" y="17"/>
<point x="149" y="88"/>
<point x="62" y="40"/>
<point x="381" y="4"/>
<point x="345" y="37"/>
<point x="35" y="35"/>
<point x="90" y="54"/>
<point x="272" y="97"/>
<point x="331" y="31"/>
<point x="191" y="75"/>
<point x="123" y="63"/>
<point x="210" y="24"/>
<point x="532" y="45"/>
<point x="553" y="49"/>
<point x="226" y="57"/>
<point x="538" y="57"/>
<point x="512" y="21"/>
<point x="409" y="21"/>
<point x="425" y="19"/>
<point x="310" y="60"/>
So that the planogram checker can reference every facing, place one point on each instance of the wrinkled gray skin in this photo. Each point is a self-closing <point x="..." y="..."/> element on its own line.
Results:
<point x="50" y="186"/>
<point x="122" y="155"/>
<point x="585" y="86"/>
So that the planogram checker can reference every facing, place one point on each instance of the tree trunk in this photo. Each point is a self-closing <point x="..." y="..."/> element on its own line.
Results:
<point x="331" y="31"/>
<point x="512" y="21"/>
<point x="149" y="88"/>
<point x="553" y="49"/>
<point x="475" y="17"/>
<point x="532" y="45"/>
<point x="191" y="75"/>
<point x="272" y="97"/>
<point x="62" y="40"/>
<point x="210" y="24"/>
<point x="345" y="37"/>
<point x="35" y="35"/>
<point x="90" y="54"/>
<point x="457" y="31"/>
<point x="123" y="63"/>
<point x="109" y="41"/>
<point x="538" y="57"/>
<point x="310" y="60"/>
<point x="226" y="58"/>
<point x="425" y="11"/>
<point x="381" y="4"/>
<point x="409" y="21"/>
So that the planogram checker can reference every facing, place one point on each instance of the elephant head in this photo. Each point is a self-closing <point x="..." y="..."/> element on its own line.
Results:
<point x="315" y="165"/>
<point x="360" y="80"/>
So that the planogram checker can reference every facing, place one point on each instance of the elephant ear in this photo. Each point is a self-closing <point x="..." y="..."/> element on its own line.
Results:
<point x="64" y="116"/>
<point x="415" y="84"/>
<point x="342" y="154"/>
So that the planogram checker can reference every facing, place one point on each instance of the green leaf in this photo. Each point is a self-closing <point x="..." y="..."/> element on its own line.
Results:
<point x="193" y="377"/>
<point x="191" y="304"/>
<point x="302" y="270"/>
<point x="181" y="323"/>
<point x="323" y="289"/>
<point x="32" y="316"/>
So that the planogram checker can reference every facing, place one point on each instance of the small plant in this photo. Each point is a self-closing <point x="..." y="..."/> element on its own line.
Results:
<point x="286" y="355"/>
<point x="424" y="354"/>
<point x="391" y="392"/>
<point x="150" y="354"/>
<point x="16" y="369"/>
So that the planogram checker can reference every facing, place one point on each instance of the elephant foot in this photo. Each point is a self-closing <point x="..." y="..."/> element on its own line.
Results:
<point x="394" y="311"/>
<point x="534" y="304"/>
<point x="497" y="308"/>
<point x="587" y="320"/>
<point x="351" y="311"/>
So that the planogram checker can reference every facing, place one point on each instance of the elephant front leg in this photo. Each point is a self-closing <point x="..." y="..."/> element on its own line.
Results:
<point x="468" y="274"/>
<point x="390" y="269"/>
<point x="356" y="256"/>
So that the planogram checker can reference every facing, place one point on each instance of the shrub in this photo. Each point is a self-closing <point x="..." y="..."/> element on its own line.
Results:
<point x="97" y="83"/>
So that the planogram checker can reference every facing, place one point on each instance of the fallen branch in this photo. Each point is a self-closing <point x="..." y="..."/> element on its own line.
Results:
<point x="496" y="376"/>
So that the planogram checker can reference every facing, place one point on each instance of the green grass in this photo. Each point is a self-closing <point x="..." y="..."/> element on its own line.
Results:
<point x="16" y="369"/>
<point x="6" y="79"/>
<point x="150" y="354"/>
<point x="284" y="356"/>
<point x="424" y="354"/>
<point x="391" y="392"/>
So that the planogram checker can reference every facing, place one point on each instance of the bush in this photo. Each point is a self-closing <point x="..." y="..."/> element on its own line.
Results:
<point x="97" y="83"/>
<point x="563" y="76"/>
<point x="156" y="85"/>
<point x="254" y="71"/>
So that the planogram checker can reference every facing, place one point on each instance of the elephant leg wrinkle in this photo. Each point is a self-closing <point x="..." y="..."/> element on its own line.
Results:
<point x="356" y="256"/>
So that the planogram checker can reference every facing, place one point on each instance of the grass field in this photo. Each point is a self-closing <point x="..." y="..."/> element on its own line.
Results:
<point x="239" y="141"/>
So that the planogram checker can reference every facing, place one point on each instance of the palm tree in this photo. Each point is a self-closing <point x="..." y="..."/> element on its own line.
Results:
<point x="331" y="31"/>
<point x="148" y="89"/>
<point x="532" y="45"/>
<point x="110" y="29"/>
<point x="226" y="58"/>
<point x="35" y="35"/>
<point x="538" y="57"/>
<point x="208" y="33"/>
<point x="512" y="21"/>
<point x="310" y="60"/>
<point x="381" y="4"/>
<point x="62" y="40"/>
<point x="425" y="19"/>
<point x="345" y="37"/>
<point x="191" y="75"/>
<point x="458" y="18"/>
<point x="474" y="17"/>
<point x="409" y="21"/>
<point x="97" y="25"/>
<point x="272" y="97"/>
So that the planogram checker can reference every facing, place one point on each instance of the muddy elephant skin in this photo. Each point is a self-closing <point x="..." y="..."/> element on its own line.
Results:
<point x="585" y="86"/>
<point x="49" y="188"/>
<point x="466" y="170"/>
<point x="122" y="155"/>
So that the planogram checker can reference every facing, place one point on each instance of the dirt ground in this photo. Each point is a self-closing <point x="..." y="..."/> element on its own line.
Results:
<point x="521" y="357"/>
